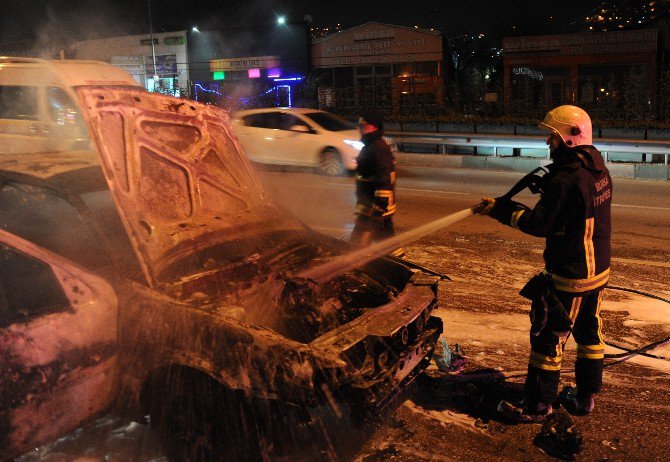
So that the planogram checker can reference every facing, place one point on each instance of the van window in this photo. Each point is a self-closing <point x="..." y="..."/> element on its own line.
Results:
<point x="62" y="109"/>
<point x="18" y="102"/>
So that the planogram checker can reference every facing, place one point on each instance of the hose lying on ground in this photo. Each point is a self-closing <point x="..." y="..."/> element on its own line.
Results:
<point x="627" y="353"/>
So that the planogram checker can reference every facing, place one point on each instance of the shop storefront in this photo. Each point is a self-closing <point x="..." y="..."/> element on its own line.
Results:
<point x="159" y="63"/>
<point x="379" y="65"/>
<point x="600" y="72"/>
<point x="249" y="67"/>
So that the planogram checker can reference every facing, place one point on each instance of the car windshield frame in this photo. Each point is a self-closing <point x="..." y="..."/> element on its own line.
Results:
<point x="329" y="122"/>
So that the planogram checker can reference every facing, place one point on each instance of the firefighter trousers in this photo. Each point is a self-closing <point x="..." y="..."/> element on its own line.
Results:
<point x="544" y="365"/>
<point x="368" y="229"/>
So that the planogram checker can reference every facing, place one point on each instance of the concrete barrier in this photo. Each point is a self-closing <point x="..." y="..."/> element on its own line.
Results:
<point x="519" y="164"/>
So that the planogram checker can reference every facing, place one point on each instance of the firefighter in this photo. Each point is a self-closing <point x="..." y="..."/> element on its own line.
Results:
<point x="573" y="215"/>
<point x="375" y="185"/>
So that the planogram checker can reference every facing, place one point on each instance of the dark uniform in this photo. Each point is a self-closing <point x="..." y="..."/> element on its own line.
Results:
<point x="375" y="190"/>
<point x="573" y="214"/>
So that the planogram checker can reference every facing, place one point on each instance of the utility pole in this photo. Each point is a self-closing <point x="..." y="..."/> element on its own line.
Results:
<point x="153" y="49"/>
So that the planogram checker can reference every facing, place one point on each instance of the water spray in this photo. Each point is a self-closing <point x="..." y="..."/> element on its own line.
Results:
<point x="358" y="258"/>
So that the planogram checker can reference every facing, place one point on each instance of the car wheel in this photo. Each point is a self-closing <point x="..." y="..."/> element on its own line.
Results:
<point x="331" y="163"/>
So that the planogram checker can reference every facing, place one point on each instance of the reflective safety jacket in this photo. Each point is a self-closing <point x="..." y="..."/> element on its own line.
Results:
<point x="375" y="177"/>
<point x="573" y="214"/>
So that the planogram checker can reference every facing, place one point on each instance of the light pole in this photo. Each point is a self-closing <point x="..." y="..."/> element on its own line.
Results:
<point x="153" y="49"/>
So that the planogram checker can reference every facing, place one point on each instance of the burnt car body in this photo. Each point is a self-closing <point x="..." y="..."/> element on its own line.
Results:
<point x="191" y="268"/>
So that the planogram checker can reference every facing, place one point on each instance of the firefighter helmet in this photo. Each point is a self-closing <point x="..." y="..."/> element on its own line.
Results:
<point x="570" y="123"/>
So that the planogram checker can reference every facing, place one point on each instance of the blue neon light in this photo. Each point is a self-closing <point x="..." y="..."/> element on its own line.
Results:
<point x="289" y="93"/>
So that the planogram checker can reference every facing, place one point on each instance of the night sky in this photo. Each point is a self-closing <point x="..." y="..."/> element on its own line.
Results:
<point x="78" y="19"/>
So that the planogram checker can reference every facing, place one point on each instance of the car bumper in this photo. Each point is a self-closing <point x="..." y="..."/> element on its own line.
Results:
<point x="387" y="347"/>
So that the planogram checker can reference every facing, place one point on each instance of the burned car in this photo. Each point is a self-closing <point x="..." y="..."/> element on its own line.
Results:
<point x="169" y="290"/>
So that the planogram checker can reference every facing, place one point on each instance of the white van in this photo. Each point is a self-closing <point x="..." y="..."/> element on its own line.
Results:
<point x="38" y="104"/>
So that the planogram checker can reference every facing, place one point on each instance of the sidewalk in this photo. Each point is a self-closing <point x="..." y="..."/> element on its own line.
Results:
<point x="657" y="172"/>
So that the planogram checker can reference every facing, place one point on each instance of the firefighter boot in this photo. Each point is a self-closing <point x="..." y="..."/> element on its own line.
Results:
<point x="577" y="403"/>
<point x="525" y="412"/>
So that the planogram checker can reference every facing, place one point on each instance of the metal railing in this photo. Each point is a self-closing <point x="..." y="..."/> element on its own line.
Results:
<point x="605" y="145"/>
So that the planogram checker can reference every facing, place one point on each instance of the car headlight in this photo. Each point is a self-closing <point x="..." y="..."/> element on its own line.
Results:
<point x="357" y="145"/>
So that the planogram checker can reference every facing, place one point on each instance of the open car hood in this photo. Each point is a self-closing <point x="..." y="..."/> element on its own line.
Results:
<point x="178" y="176"/>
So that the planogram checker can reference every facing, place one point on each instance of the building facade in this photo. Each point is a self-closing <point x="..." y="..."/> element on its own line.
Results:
<point x="603" y="72"/>
<point x="158" y="61"/>
<point x="379" y="65"/>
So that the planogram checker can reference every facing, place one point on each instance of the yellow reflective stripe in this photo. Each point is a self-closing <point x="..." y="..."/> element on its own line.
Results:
<point x="588" y="248"/>
<point x="574" y="309"/>
<point x="389" y="210"/>
<point x="591" y="351"/>
<point x="548" y="363"/>
<point x="581" y="285"/>
<point x="392" y="177"/>
<point x="515" y="218"/>
<point x="383" y="193"/>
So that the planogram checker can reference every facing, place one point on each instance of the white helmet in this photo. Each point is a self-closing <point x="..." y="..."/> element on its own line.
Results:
<point x="570" y="123"/>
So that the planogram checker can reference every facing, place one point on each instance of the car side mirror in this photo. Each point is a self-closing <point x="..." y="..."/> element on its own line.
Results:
<point x="300" y="129"/>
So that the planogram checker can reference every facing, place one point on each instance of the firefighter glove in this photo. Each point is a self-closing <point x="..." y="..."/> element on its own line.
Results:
<point x="488" y="205"/>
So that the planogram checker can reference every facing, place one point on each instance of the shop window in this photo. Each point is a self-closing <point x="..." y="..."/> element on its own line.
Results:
<point x="383" y="70"/>
<point x="344" y="77"/>
<point x="366" y="70"/>
<point x="18" y="102"/>
<point x="28" y="287"/>
<point x="403" y="70"/>
<point x="586" y="92"/>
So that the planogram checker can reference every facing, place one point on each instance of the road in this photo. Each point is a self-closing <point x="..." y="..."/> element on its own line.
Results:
<point x="443" y="418"/>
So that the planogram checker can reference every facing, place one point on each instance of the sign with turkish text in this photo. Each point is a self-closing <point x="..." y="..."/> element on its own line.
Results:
<point x="376" y="43"/>
<point x="144" y="42"/>
<point x="246" y="63"/>
<point x="180" y="40"/>
<point x="630" y="41"/>
<point x="134" y="65"/>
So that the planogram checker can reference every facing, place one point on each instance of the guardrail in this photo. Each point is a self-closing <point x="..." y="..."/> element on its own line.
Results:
<point x="606" y="146"/>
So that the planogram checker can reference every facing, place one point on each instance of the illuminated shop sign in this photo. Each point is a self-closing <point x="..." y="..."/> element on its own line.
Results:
<point x="244" y="64"/>
<point x="174" y="40"/>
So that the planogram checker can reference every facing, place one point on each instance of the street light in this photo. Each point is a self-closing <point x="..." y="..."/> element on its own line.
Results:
<point x="195" y="29"/>
<point x="281" y="20"/>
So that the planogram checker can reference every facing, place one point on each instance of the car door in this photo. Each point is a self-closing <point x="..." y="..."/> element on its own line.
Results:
<point x="257" y="133"/>
<point x="57" y="345"/>
<point x="296" y="142"/>
<point x="21" y="125"/>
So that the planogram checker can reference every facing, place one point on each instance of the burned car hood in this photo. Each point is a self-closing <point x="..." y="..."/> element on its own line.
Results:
<point x="178" y="176"/>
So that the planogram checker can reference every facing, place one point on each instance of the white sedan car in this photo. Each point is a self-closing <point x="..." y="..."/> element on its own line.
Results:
<point x="300" y="137"/>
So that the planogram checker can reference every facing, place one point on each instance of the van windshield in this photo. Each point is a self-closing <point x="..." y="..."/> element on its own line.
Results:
<point x="330" y="122"/>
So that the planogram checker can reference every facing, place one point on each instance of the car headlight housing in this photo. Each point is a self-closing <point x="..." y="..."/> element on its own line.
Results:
<point x="357" y="145"/>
